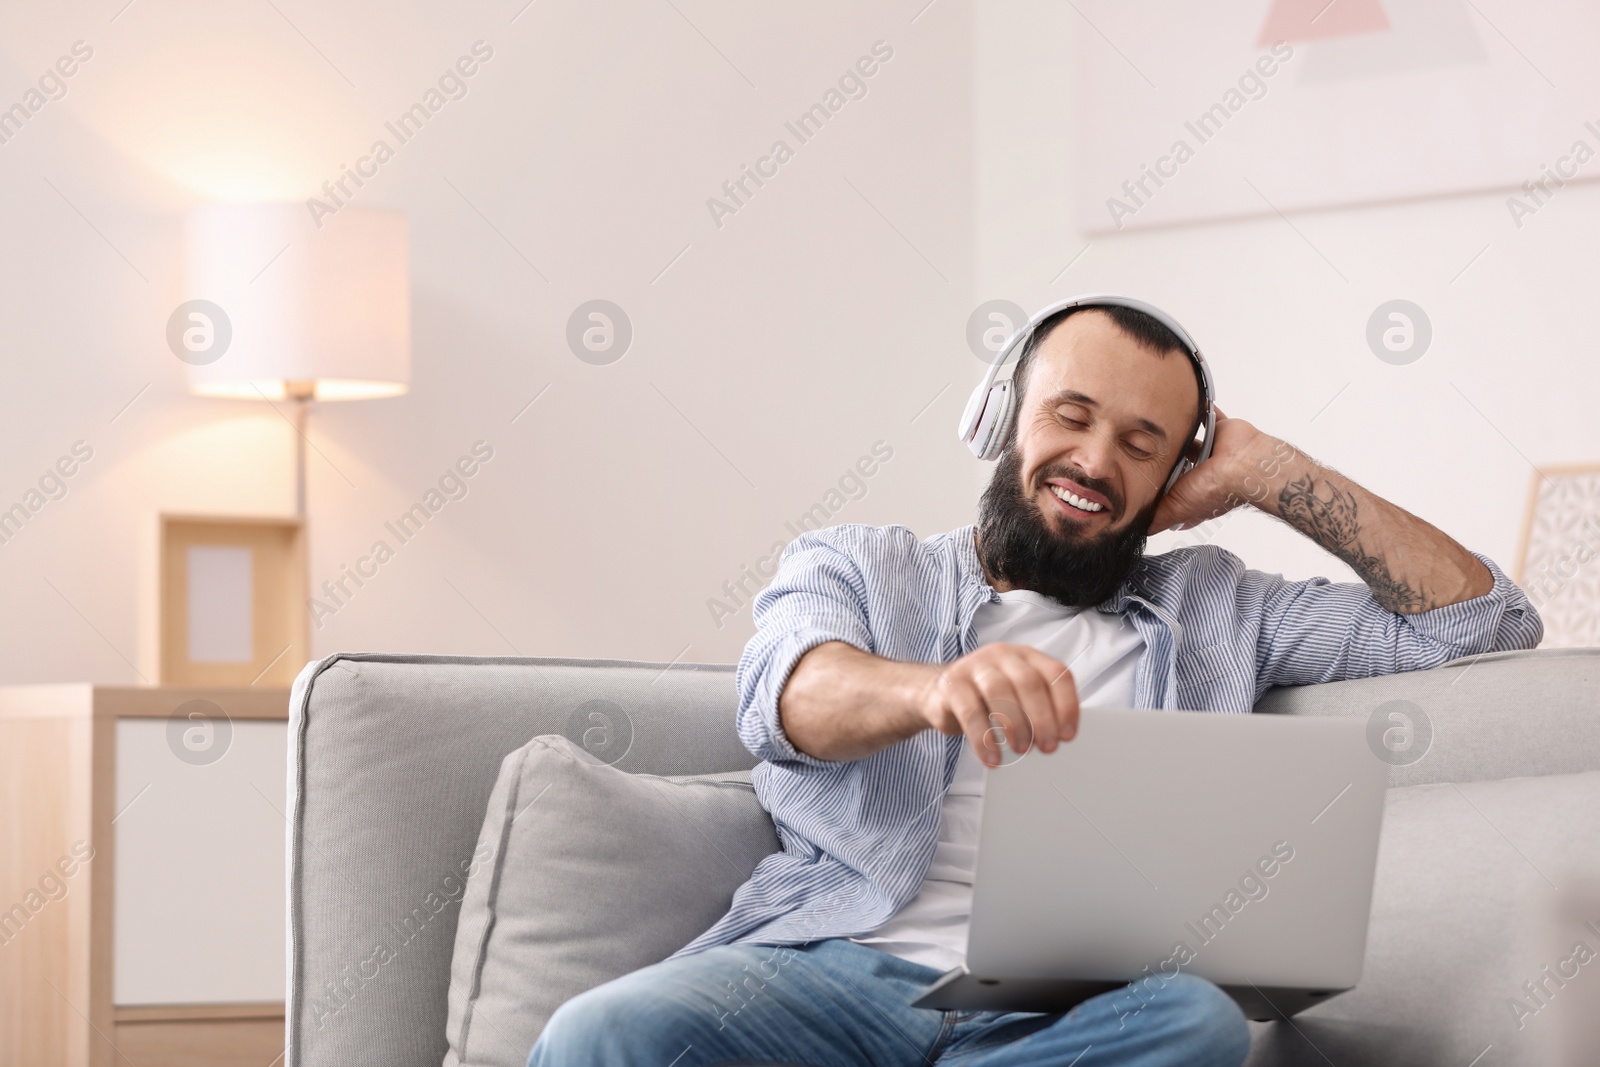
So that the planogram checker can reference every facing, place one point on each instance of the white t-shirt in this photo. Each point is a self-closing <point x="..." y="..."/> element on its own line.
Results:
<point x="1103" y="653"/>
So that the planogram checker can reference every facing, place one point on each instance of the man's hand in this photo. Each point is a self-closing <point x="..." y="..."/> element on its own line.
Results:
<point x="1233" y="475"/>
<point x="1014" y="690"/>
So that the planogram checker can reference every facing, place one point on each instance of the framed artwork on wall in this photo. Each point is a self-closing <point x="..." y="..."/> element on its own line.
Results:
<point x="1559" y="561"/>
<point x="1251" y="107"/>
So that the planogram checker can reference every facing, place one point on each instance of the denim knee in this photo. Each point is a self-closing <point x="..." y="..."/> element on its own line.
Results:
<point x="1191" y="1010"/>
<point x="593" y="1026"/>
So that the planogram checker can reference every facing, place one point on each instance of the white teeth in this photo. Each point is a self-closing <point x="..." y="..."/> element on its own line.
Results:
<point x="1076" y="500"/>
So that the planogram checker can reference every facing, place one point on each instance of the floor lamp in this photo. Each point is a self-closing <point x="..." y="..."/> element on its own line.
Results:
<point x="299" y="313"/>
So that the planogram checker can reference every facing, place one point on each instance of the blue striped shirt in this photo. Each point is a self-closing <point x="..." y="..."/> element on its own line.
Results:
<point x="858" y="835"/>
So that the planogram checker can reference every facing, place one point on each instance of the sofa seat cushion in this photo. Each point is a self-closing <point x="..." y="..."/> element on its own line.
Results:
<point x="584" y="873"/>
<point x="1479" y="887"/>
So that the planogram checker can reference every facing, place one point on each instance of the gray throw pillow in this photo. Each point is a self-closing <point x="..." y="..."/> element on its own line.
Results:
<point x="588" y="873"/>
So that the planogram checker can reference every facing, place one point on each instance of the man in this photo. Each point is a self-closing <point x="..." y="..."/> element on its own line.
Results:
<point x="885" y="672"/>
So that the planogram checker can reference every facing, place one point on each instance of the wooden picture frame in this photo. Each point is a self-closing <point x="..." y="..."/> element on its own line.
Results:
<point x="263" y="636"/>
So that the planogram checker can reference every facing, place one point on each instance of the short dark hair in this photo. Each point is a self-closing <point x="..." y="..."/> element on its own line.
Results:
<point x="1149" y="332"/>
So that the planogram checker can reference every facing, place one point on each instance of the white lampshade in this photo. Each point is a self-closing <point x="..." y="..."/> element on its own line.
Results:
<point x="321" y="311"/>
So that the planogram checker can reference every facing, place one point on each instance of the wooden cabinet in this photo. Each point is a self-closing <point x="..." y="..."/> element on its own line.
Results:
<point x="141" y="875"/>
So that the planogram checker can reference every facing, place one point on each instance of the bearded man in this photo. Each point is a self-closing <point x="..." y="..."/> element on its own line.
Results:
<point x="885" y="670"/>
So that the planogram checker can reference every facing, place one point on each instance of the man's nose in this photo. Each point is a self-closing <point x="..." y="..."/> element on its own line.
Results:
<point x="1096" y="456"/>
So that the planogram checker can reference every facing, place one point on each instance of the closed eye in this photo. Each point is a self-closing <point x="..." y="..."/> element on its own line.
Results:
<point x="1069" y="418"/>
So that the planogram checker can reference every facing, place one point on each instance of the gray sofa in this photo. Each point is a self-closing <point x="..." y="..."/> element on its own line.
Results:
<point x="1489" y="841"/>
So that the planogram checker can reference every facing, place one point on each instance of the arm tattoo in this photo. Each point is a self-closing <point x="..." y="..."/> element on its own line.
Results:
<point x="1332" y="524"/>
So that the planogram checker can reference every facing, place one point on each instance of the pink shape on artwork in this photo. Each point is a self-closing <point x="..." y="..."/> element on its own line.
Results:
<point x="1315" y="20"/>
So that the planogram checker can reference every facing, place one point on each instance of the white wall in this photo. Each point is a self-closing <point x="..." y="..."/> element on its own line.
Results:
<point x="767" y="359"/>
<point x="818" y="320"/>
<point x="1509" y="381"/>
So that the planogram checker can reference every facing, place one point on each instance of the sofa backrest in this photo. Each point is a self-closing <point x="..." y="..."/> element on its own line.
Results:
<point x="1503" y="715"/>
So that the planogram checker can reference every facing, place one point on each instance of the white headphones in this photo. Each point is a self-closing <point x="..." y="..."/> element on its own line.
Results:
<point x="992" y="408"/>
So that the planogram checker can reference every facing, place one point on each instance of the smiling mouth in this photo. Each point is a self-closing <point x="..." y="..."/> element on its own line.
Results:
<point x="1076" y="502"/>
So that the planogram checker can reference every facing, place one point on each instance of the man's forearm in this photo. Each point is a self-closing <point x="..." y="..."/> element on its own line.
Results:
<point x="1411" y="565"/>
<point x="841" y="703"/>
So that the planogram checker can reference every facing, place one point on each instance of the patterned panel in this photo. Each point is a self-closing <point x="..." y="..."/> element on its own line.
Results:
<point x="1561" y="561"/>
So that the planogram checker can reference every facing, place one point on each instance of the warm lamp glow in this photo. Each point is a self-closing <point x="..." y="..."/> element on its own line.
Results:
<point x="278" y="389"/>
<point x="218" y="100"/>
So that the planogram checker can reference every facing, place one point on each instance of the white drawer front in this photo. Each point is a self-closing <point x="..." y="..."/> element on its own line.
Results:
<point x="199" y="864"/>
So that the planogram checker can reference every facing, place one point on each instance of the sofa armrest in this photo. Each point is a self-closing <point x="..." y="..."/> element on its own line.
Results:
<point x="392" y="759"/>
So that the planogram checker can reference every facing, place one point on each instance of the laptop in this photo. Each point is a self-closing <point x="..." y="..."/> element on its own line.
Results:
<point x="1239" y="848"/>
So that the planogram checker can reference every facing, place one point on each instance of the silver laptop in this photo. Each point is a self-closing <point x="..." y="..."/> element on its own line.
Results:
<point x="1239" y="848"/>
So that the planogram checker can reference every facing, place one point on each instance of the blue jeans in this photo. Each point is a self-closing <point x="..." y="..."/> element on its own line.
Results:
<point x="838" y="1004"/>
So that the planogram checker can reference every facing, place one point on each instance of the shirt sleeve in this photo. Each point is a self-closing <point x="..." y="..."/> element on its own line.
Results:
<point x="818" y="595"/>
<point x="1318" y="631"/>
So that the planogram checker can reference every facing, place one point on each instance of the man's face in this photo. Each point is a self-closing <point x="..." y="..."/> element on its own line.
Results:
<point x="1099" y="426"/>
<point x="1102" y="420"/>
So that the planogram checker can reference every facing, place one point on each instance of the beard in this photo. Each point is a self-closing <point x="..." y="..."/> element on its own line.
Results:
<point x="1051" y="555"/>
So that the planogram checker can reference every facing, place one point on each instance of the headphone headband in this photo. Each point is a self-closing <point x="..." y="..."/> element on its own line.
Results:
<point x="986" y="421"/>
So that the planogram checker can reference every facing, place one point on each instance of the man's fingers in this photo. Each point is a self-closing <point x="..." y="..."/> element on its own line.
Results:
<point x="969" y="710"/>
<point x="1063" y="690"/>
<point x="1032" y="687"/>
<point x="1010" y="692"/>
<point x="1005" y="707"/>
<point x="983" y="737"/>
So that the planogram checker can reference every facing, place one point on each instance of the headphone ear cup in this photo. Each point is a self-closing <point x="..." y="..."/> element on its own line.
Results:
<point x="1003" y="400"/>
<point x="1184" y="467"/>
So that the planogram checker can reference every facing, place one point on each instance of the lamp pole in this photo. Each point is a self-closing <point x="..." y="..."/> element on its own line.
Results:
<point x="301" y="392"/>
